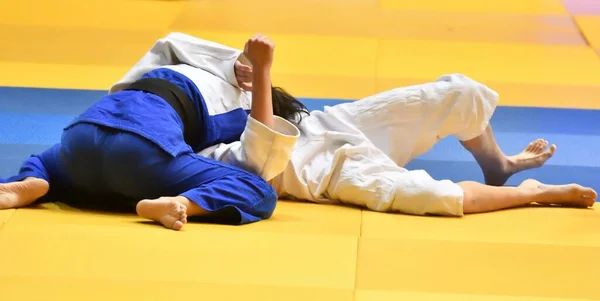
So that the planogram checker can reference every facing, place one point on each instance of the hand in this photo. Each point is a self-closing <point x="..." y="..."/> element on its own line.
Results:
<point x="259" y="51"/>
<point x="243" y="74"/>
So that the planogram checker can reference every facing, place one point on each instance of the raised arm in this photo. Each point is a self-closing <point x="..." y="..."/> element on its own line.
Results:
<point x="259" y="51"/>
<point x="180" y="48"/>
<point x="267" y="142"/>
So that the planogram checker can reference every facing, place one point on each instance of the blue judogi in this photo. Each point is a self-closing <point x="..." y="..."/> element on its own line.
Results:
<point x="129" y="146"/>
<point x="128" y="110"/>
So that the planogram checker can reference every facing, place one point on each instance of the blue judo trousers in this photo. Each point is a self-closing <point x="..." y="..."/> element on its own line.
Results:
<point x="130" y="146"/>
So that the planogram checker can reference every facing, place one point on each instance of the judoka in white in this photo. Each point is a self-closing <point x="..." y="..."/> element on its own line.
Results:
<point x="354" y="153"/>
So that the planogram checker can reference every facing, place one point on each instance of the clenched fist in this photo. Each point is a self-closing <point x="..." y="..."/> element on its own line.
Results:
<point x="259" y="51"/>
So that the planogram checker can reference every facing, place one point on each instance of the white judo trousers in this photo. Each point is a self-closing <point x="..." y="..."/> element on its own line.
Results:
<point x="353" y="153"/>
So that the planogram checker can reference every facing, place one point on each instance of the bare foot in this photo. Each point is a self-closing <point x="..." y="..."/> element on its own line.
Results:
<point x="571" y="195"/>
<point x="166" y="210"/>
<point x="23" y="193"/>
<point x="534" y="156"/>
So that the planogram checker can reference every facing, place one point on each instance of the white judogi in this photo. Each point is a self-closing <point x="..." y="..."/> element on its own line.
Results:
<point x="209" y="65"/>
<point x="353" y="153"/>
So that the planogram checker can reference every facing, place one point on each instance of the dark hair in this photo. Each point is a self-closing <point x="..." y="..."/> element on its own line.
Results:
<point x="287" y="106"/>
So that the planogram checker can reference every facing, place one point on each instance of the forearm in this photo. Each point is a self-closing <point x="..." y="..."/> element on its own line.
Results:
<point x="262" y="106"/>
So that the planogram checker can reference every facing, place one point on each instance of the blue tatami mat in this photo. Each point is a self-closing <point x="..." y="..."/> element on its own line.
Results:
<point x="32" y="119"/>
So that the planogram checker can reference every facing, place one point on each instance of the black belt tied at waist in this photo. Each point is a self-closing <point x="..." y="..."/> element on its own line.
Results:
<point x="178" y="99"/>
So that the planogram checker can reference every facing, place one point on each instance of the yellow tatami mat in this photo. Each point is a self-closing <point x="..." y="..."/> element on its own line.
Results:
<point x="539" y="225"/>
<point x="5" y="215"/>
<point x="76" y="289"/>
<point x="531" y="51"/>
<point x="506" y="6"/>
<point x="522" y="252"/>
<point x="305" y="252"/>
<point x="367" y="295"/>
<point x="590" y="26"/>
<point x="535" y="53"/>
<point x="300" y="253"/>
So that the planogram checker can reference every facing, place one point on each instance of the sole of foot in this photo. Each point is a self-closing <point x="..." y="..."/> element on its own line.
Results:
<point x="165" y="211"/>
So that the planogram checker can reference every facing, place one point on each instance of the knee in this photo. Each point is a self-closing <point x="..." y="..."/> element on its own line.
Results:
<point x="471" y="92"/>
<point x="262" y="198"/>
<point x="420" y="194"/>
<point x="265" y="207"/>
<point x="427" y="203"/>
<point x="470" y="106"/>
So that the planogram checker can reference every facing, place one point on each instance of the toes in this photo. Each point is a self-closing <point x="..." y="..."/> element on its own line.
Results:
<point x="551" y="150"/>
<point x="183" y="217"/>
<point x="543" y="145"/>
<point x="590" y="194"/>
<point x="536" y="146"/>
<point x="540" y="145"/>
<point x="182" y="214"/>
<point x="548" y="153"/>
<point x="177" y="225"/>
<point x="588" y="198"/>
<point x="531" y="147"/>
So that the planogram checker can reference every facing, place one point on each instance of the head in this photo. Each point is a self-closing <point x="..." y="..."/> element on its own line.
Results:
<point x="287" y="106"/>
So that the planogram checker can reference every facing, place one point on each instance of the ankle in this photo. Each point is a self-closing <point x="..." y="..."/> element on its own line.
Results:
<point x="510" y="164"/>
<point x="192" y="209"/>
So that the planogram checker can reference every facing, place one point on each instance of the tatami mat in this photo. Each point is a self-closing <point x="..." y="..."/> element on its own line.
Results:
<point x="5" y="215"/>
<point x="507" y="6"/>
<point x="124" y="248"/>
<point x="590" y="27"/>
<point x="535" y="53"/>
<point x="76" y="289"/>
<point x="535" y="225"/>
<point x="373" y="295"/>
<point x="478" y="268"/>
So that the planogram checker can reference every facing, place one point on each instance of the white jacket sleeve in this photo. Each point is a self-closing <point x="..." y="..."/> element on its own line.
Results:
<point x="262" y="151"/>
<point x="179" y="48"/>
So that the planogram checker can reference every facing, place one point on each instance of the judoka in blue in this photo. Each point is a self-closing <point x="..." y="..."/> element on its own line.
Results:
<point x="129" y="146"/>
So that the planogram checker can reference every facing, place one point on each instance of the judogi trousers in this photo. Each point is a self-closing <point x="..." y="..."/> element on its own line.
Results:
<point x="354" y="153"/>
<point x="104" y="168"/>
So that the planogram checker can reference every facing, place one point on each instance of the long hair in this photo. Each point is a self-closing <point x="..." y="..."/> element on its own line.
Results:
<point x="287" y="106"/>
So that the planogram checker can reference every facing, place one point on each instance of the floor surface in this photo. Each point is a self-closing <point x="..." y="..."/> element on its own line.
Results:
<point x="542" y="56"/>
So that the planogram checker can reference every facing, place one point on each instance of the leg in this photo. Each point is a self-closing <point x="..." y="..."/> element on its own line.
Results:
<point x="365" y="176"/>
<point x="227" y="196"/>
<point x="459" y="106"/>
<point x="464" y="110"/>
<point x="496" y="166"/>
<point x="406" y="122"/>
<point x="32" y="182"/>
<point x="173" y="190"/>
<point x="482" y="198"/>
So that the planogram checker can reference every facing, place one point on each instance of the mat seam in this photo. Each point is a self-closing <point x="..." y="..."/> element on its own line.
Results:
<point x="3" y="224"/>
<point x="357" y="253"/>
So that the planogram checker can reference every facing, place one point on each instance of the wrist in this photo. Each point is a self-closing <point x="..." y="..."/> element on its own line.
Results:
<point x="261" y="68"/>
<point x="261" y="76"/>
